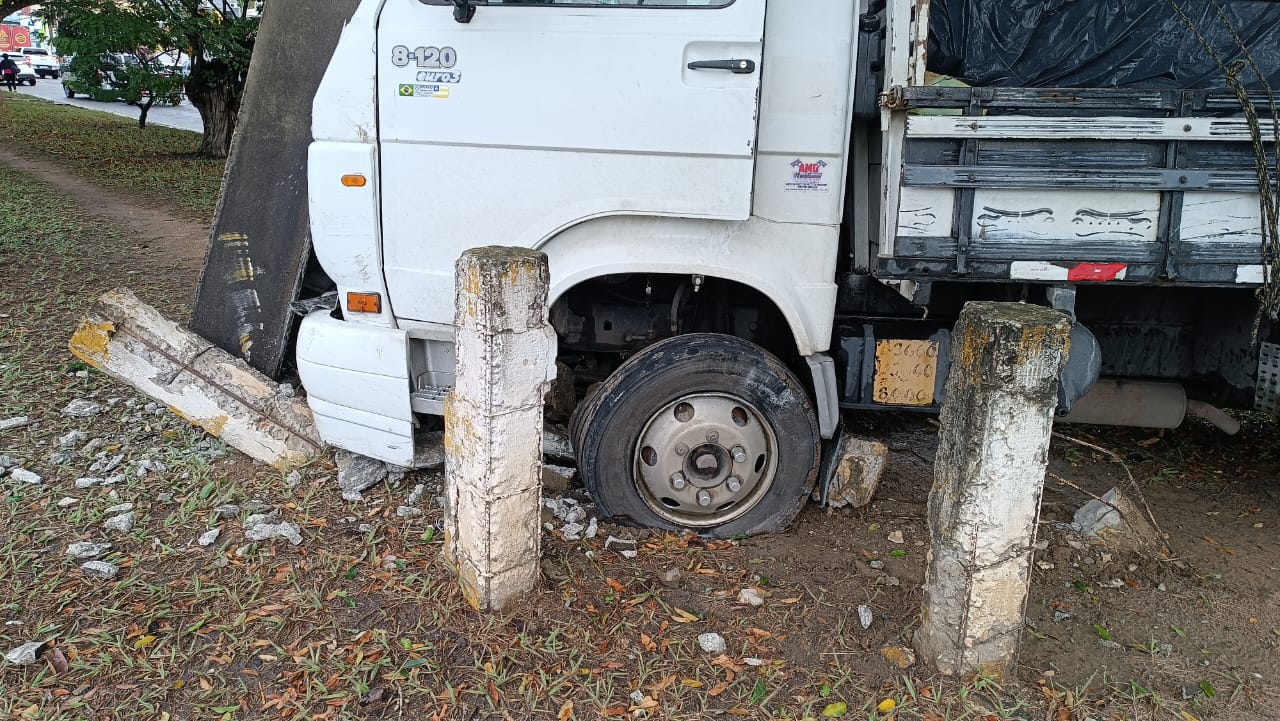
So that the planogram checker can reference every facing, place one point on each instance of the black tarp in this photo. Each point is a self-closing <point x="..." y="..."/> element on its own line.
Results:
<point x="1101" y="43"/>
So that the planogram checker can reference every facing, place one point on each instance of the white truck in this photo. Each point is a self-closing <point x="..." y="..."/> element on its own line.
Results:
<point x="760" y="214"/>
<point x="43" y="62"/>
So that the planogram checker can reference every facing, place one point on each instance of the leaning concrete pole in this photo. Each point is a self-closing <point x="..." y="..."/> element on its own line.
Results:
<point x="997" y="418"/>
<point x="506" y="353"/>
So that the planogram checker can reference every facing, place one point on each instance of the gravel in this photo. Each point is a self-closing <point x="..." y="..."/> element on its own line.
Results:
<point x="122" y="523"/>
<point x="72" y="439"/>
<point x="357" y="472"/>
<point x="82" y="408"/>
<point x="22" y="475"/>
<point x="15" y="422"/>
<point x="267" y="531"/>
<point x="750" y="597"/>
<point x="85" y="549"/>
<point x="712" y="643"/>
<point x="100" y="569"/>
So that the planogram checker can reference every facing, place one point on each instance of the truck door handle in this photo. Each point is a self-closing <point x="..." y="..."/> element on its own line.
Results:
<point x="737" y="67"/>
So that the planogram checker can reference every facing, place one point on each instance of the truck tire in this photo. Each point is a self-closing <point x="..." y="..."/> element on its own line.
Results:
<point x="68" y="91"/>
<point x="707" y="433"/>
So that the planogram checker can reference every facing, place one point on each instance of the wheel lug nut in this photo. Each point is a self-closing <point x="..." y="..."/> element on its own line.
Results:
<point x="734" y="484"/>
<point x="712" y="436"/>
<point x="704" y="499"/>
<point x="739" y="454"/>
<point x="681" y="449"/>
<point x="678" y="481"/>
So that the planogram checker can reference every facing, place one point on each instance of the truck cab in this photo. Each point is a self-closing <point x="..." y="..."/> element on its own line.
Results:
<point x="758" y="215"/>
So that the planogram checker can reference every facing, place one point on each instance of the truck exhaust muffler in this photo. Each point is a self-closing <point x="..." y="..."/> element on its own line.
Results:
<point x="1144" y="404"/>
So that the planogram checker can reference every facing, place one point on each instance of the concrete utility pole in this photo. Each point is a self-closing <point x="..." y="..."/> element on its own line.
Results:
<point x="506" y="353"/>
<point x="997" y="419"/>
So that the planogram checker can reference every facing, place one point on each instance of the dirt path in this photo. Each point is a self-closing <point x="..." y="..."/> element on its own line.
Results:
<point x="153" y="231"/>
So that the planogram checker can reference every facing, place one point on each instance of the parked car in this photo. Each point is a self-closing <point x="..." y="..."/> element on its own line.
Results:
<point x="80" y="78"/>
<point x="107" y="80"/>
<point x="26" y="73"/>
<point x="43" y="62"/>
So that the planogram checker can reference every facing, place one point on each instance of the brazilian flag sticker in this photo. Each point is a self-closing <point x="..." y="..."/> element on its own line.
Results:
<point x="406" y="91"/>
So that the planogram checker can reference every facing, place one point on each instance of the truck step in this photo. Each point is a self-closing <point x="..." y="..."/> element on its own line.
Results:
<point x="429" y="399"/>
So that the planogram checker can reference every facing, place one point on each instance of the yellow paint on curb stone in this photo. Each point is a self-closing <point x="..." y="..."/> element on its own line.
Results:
<point x="90" y="341"/>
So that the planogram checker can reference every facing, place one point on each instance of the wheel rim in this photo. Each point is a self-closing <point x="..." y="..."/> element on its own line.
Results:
<point x="705" y="459"/>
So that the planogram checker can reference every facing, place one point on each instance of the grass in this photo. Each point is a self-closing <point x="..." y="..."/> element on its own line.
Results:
<point x="156" y="163"/>
<point x="353" y="623"/>
<point x="366" y="621"/>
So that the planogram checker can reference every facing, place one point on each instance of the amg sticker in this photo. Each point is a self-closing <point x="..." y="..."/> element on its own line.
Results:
<point x="807" y="176"/>
<point x="439" y="92"/>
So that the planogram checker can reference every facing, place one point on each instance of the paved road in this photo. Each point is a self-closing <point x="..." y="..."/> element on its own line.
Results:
<point x="184" y="116"/>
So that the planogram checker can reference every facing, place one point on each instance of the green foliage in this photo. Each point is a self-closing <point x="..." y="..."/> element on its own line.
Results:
<point x="125" y="43"/>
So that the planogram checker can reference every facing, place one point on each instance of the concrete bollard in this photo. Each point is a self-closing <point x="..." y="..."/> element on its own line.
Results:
<point x="993" y="448"/>
<point x="506" y="354"/>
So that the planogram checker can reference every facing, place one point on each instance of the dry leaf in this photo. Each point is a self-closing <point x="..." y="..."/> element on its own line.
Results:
<point x="56" y="659"/>
<point x="647" y="642"/>
<point x="646" y="704"/>
<point x="790" y="600"/>
<point x="692" y="683"/>
<point x="618" y="587"/>
<point x="718" y="689"/>
<point x="679" y="615"/>
<point x="566" y="711"/>
<point x="663" y="683"/>
<point x="725" y="662"/>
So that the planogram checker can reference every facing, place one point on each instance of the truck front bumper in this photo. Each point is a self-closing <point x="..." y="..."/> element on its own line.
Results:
<point x="357" y="382"/>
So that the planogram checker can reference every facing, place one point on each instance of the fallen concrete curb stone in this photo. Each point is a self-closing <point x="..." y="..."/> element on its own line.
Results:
<point x="132" y="342"/>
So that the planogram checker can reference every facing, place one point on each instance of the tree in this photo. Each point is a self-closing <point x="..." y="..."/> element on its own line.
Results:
<point x="218" y="35"/>
<point x="9" y="7"/>
<point x="118" y="57"/>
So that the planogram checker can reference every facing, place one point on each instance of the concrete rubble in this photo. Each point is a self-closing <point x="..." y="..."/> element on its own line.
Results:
<point x="1117" y="523"/>
<point x="858" y="465"/>
<point x="22" y="475"/>
<point x="122" y="523"/>
<point x="712" y="643"/>
<point x="85" y="549"/>
<point x="82" y="408"/>
<point x="15" y="422"/>
<point x="100" y="570"/>
<point x="132" y="342"/>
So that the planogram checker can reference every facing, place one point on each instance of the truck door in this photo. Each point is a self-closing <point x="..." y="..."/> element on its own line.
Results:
<point x="537" y="115"/>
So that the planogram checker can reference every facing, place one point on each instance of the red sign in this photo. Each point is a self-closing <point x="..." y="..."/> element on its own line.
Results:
<point x="13" y="37"/>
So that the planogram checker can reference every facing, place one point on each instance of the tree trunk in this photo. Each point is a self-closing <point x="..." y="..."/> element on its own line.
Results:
<point x="143" y="109"/>
<point x="215" y="90"/>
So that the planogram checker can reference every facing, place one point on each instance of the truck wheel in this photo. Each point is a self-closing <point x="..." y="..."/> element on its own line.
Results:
<point x="703" y="432"/>
<point x="69" y="92"/>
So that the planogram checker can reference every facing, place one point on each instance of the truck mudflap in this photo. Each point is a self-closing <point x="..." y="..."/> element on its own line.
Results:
<point x="260" y="245"/>
<point x="357" y="381"/>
